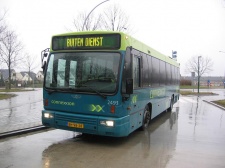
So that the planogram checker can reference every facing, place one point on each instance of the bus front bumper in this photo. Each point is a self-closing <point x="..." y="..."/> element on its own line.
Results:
<point x="99" y="125"/>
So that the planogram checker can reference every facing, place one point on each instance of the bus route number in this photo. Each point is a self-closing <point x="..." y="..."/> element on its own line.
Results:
<point x="111" y="102"/>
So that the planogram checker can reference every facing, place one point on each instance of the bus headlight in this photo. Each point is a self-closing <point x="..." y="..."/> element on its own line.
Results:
<point x="107" y="123"/>
<point x="48" y="115"/>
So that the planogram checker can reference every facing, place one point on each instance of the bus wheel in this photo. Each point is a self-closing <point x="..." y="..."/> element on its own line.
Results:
<point x="146" y="118"/>
<point x="171" y="104"/>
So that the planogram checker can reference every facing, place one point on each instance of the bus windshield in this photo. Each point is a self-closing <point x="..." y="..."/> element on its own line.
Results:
<point x="83" y="72"/>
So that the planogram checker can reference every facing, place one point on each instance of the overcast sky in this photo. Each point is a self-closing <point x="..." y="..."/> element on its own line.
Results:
<point x="191" y="27"/>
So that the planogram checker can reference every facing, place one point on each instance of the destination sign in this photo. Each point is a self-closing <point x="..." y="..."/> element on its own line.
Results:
<point x="86" y="42"/>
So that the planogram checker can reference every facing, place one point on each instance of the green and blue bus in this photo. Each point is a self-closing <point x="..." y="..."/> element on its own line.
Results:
<point x="105" y="83"/>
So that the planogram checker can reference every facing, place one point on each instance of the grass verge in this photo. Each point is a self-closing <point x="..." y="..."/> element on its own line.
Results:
<point x="6" y="96"/>
<point x="220" y="102"/>
<point x="15" y="90"/>
<point x="185" y="93"/>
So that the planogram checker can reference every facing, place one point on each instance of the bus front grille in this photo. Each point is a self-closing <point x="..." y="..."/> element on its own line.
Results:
<point x="90" y="124"/>
<point x="76" y="119"/>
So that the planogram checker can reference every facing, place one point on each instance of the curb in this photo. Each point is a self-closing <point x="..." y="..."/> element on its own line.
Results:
<point x="22" y="131"/>
<point x="214" y="104"/>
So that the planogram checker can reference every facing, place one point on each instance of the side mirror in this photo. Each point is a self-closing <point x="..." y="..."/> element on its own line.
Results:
<point x="44" y="54"/>
<point x="129" y="86"/>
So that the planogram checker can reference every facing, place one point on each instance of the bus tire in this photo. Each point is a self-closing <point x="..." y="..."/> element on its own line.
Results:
<point x="171" y="104"/>
<point x="146" y="118"/>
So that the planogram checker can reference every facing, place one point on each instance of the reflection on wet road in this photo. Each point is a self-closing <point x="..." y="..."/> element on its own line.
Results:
<point x="192" y="135"/>
<point x="201" y="135"/>
<point x="22" y="111"/>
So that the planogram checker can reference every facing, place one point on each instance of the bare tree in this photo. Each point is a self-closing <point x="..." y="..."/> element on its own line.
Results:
<point x="3" y="28"/>
<point x="89" y="24"/>
<point x="3" y="25"/>
<point x="10" y="48"/>
<point x="199" y="64"/>
<point x="115" y="19"/>
<point x="30" y="64"/>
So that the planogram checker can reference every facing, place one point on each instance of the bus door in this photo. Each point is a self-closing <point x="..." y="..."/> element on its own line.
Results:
<point x="136" y="116"/>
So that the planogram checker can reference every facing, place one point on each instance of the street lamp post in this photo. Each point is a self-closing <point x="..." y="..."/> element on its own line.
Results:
<point x="224" y="73"/>
<point x="91" y="12"/>
<point x="198" y="74"/>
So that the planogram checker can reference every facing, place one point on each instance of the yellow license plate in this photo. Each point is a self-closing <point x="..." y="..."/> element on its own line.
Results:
<point x="75" y="125"/>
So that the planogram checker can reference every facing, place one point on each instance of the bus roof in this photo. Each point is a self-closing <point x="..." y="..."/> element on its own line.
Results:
<point x="126" y="40"/>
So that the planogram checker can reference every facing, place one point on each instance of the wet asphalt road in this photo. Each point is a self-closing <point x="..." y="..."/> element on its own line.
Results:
<point x="192" y="135"/>
<point x="22" y="111"/>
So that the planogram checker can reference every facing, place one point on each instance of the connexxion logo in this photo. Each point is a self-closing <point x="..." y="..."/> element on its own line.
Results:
<point x="63" y="103"/>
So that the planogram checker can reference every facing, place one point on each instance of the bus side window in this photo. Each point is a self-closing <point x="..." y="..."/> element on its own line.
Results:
<point x="162" y="71"/>
<point x="155" y="72"/>
<point x="145" y="73"/>
<point x="136" y="71"/>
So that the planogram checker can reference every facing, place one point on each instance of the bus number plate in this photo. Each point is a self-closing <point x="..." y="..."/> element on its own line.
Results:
<point x="75" y="125"/>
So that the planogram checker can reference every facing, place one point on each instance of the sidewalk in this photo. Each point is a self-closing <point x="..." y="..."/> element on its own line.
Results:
<point x="22" y="111"/>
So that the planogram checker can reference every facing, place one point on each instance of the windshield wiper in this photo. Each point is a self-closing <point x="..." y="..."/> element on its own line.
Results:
<point x="100" y="94"/>
<point x="53" y="90"/>
<point x="50" y="91"/>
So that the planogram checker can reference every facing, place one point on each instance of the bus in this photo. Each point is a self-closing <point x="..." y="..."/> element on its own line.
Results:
<point x="105" y="83"/>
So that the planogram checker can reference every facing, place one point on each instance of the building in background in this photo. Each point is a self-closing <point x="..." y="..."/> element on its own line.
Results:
<point x="215" y="81"/>
<point x="19" y="79"/>
<point x="40" y="76"/>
